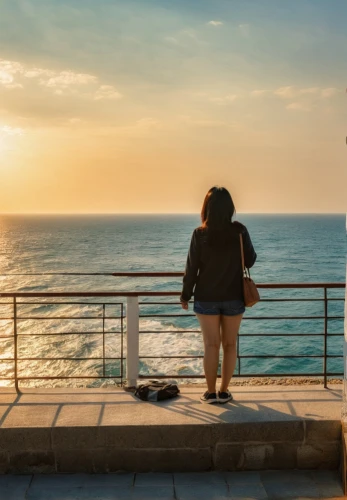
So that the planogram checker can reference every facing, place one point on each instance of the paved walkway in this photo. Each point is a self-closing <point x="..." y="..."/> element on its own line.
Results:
<point x="184" y="486"/>
<point x="107" y="430"/>
<point x="103" y="407"/>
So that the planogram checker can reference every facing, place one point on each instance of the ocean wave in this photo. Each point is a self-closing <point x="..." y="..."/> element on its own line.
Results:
<point x="65" y="244"/>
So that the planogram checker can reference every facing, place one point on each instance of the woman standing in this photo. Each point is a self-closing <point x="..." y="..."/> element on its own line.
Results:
<point x="214" y="274"/>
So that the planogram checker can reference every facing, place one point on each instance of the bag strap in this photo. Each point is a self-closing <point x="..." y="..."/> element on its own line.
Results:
<point x="242" y="256"/>
<point x="245" y="270"/>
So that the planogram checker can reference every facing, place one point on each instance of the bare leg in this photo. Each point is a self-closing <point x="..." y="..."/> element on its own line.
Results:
<point x="230" y="326"/>
<point x="210" y="327"/>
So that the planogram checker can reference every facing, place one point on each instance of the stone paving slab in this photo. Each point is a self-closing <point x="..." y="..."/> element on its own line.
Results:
<point x="14" y="487"/>
<point x="105" y="407"/>
<point x="195" y="478"/>
<point x="202" y="491"/>
<point x="46" y="481"/>
<point x="266" y="485"/>
<point x="153" y="479"/>
<point x="105" y="493"/>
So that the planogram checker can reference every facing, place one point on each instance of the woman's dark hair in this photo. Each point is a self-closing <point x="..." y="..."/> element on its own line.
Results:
<point x="218" y="209"/>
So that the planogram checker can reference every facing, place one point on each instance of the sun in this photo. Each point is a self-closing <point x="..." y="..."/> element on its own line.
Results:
<point x="3" y="146"/>
<point x="8" y="138"/>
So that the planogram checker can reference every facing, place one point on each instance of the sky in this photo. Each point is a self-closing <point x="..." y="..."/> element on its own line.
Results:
<point x="140" y="106"/>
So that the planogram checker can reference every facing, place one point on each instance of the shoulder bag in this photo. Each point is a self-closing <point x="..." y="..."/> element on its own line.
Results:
<point x="250" y="291"/>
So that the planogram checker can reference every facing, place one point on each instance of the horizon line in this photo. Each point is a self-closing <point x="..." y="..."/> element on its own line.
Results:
<point x="167" y="213"/>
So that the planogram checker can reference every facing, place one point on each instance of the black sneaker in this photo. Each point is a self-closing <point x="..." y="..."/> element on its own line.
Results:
<point x="209" y="397"/>
<point x="224" y="397"/>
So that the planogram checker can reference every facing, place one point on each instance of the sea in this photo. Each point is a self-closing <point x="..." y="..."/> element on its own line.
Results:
<point x="36" y="251"/>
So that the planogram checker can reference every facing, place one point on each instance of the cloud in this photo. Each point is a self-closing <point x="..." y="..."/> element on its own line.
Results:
<point x="60" y="82"/>
<point x="107" y="92"/>
<point x="11" y="67"/>
<point x="286" y="92"/>
<point x="310" y="90"/>
<point x="192" y="35"/>
<point x="291" y="92"/>
<point x="74" y="121"/>
<point x="66" y="79"/>
<point x="8" y="70"/>
<point x="14" y="86"/>
<point x="202" y="123"/>
<point x="329" y="92"/>
<point x="5" y="78"/>
<point x="306" y="98"/>
<point x="9" y="137"/>
<point x="141" y="128"/>
<point x="172" y="40"/>
<point x="298" y="106"/>
<point x="184" y="38"/>
<point x="36" y="72"/>
<point x="215" y="23"/>
<point x="244" y="28"/>
<point x="224" y="100"/>
<point x="12" y="131"/>
<point x="258" y="93"/>
<point x="7" y="81"/>
<point x="147" y="123"/>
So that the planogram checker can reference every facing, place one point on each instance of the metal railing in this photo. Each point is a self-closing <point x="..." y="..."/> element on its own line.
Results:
<point x="127" y="365"/>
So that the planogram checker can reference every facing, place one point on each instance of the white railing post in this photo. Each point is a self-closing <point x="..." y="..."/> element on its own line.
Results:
<point x="132" y="364"/>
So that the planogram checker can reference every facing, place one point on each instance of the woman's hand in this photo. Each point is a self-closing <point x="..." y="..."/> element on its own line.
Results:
<point x="184" y="305"/>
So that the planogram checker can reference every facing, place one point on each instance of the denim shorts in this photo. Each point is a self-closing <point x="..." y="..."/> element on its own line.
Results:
<point x="226" y="308"/>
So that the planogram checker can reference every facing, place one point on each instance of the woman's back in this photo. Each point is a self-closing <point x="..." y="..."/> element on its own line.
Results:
<point x="214" y="263"/>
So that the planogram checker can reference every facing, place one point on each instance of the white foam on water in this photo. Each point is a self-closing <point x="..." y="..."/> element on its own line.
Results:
<point x="33" y="343"/>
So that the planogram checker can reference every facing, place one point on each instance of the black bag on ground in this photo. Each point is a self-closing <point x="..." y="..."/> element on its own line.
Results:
<point x="156" y="391"/>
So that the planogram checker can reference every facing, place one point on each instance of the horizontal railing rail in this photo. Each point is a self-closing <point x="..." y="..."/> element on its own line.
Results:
<point x="128" y="365"/>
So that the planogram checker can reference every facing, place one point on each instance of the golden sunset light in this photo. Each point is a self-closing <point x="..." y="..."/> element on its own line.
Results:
<point x="173" y="200"/>
<point x="138" y="106"/>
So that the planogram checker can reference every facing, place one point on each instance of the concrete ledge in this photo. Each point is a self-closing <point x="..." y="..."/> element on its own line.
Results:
<point x="272" y="431"/>
<point x="98" y="430"/>
<point x="322" y="455"/>
<point x="31" y="462"/>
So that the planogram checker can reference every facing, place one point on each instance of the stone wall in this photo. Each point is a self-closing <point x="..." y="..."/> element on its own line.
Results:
<point x="297" y="444"/>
